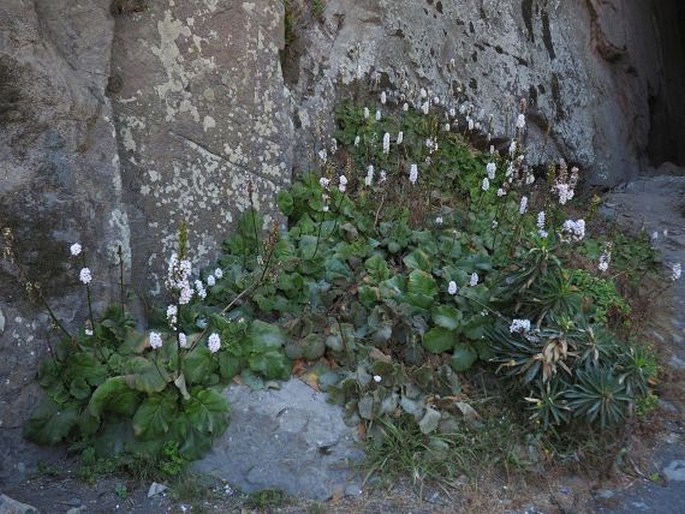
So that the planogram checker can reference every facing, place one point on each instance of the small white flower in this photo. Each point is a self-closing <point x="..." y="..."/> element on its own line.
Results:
<point x="378" y="115"/>
<point x="211" y="281"/>
<point x="342" y="183"/>
<point x="655" y="236"/>
<point x="325" y="208"/>
<point x="447" y="127"/>
<point x="452" y="288"/>
<point x="218" y="273"/>
<point x="357" y="139"/>
<point x="495" y="224"/>
<point x="425" y="107"/>
<point x="676" y="270"/>
<point x="324" y="182"/>
<point x="384" y="98"/>
<point x="75" y="249"/>
<point x="400" y="137"/>
<point x="491" y="169"/>
<point x="520" y="326"/>
<point x="413" y="173"/>
<point x="377" y="378"/>
<point x="88" y="331"/>
<point x="573" y="230"/>
<point x="323" y="155"/>
<point x="485" y="185"/>
<point x="155" y="340"/>
<point x="214" y="343"/>
<point x="501" y="192"/>
<point x="438" y="220"/>
<point x="423" y="93"/>
<point x="386" y="142"/>
<point x="523" y="205"/>
<point x="471" y="124"/>
<point x="512" y="148"/>
<point x="383" y="177"/>
<point x="185" y="295"/>
<point x="171" y="313"/>
<point x="405" y="106"/>
<point x="366" y="113"/>
<point x="474" y="279"/>
<point x="182" y="340"/>
<point x="200" y="289"/>
<point x="368" y="180"/>
<point x="521" y="121"/>
<point x="85" y="276"/>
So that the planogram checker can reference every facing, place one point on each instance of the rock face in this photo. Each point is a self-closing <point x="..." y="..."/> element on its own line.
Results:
<point x="59" y="183"/>
<point x="589" y="70"/>
<point x="119" y="119"/>
<point x="199" y="102"/>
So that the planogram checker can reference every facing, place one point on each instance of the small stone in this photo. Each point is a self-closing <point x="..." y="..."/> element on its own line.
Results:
<point x="353" y="490"/>
<point x="605" y="494"/>
<point x="11" y="506"/>
<point x="675" y="471"/>
<point x="156" y="489"/>
<point x="676" y="363"/>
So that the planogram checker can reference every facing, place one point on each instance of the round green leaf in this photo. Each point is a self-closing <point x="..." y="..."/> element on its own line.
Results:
<point x="463" y="357"/>
<point x="439" y="340"/>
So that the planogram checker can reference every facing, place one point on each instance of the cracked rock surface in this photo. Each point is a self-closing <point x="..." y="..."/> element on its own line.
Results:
<point x="289" y="438"/>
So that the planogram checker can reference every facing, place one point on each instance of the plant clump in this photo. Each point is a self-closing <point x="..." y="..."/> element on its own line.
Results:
<point x="412" y="266"/>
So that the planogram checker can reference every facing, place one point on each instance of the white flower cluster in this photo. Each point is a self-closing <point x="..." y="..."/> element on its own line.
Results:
<point x="474" y="279"/>
<point x="452" y="288"/>
<point x="342" y="183"/>
<point x="177" y="279"/>
<point x="491" y="169"/>
<point x="573" y="230"/>
<point x="523" y="206"/>
<point x="85" y="276"/>
<point x="541" y="224"/>
<point x="155" y="340"/>
<point x="214" y="343"/>
<point x="400" y="137"/>
<point x="520" y="326"/>
<point x="386" y="143"/>
<point x="605" y="258"/>
<point x="368" y="179"/>
<point x="676" y="270"/>
<point x="75" y="249"/>
<point x="521" y="121"/>
<point x="171" y="315"/>
<point x="182" y="340"/>
<point x="565" y="184"/>
<point x="413" y="173"/>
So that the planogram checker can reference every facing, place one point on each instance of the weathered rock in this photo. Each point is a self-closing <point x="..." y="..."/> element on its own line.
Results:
<point x="291" y="439"/>
<point x="11" y="506"/>
<point x="59" y="183"/>
<point x="199" y="101"/>
<point x="589" y="70"/>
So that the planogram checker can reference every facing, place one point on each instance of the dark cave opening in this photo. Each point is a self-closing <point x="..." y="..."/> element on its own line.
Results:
<point x="667" y="100"/>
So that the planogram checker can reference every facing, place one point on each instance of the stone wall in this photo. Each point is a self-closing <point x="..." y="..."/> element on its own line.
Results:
<point x="199" y="104"/>
<point x="587" y="69"/>
<point x="118" y="120"/>
<point x="59" y="183"/>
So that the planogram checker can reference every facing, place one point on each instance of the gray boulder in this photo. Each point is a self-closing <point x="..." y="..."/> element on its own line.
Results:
<point x="290" y="439"/>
